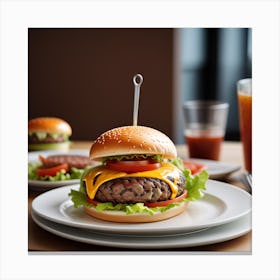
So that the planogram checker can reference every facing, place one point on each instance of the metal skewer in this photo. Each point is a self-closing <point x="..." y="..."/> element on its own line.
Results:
<point x="136" y="96"/>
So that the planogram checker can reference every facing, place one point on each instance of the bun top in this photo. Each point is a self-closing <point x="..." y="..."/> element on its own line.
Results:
<point x="50" y="125"/>
<point x="129" y="140"/>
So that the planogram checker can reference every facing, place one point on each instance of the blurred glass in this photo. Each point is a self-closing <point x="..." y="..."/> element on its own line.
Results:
<point x="244" y="93"/>
<point x="205" y="123"/>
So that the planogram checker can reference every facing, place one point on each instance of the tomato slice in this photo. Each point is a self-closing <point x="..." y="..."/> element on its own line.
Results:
<point x="194" y="167"/>
<point x="131" y="166"/>
<point x="42" y="159"/>
<point x="167" y="202"/>
<point x="52" y="170"/>
<point x="92" y="201"/>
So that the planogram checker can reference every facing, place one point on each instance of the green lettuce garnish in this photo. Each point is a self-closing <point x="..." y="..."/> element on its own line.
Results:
<point x="157" y="158"/>
<point x="79" y="198"/>
<point x="32" y="175"/>
<point x="73" y="173"/>
<point x="195" y="185"/>
<point x="43" y="135"/>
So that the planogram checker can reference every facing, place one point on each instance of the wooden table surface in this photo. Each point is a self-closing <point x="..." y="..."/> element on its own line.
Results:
<point x="41" y="240"/>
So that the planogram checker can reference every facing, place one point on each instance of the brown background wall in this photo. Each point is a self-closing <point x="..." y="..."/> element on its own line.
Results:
<point x="85" y="77"/>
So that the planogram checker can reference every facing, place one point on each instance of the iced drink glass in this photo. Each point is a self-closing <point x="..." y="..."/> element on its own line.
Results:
<point x="244" y="93"/>
<point x="205" y="123"/>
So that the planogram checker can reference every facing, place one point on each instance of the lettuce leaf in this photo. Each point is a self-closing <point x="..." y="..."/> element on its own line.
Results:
<point x="79" y="198"/>
<point x="43" y="135"/>
<point x="32" y="175"/>
<point x="195" y="184"/>
<point x="157" y="158"/>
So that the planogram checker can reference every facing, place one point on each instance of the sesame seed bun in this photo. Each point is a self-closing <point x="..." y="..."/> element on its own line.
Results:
<point x="49" y="125"/>
<point x="129" y="140"/>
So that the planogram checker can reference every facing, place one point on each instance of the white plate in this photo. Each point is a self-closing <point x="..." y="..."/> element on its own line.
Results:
<point x="217" y="169"/>
<point x="46" y="185"/>
<point x="222" y="203"/>
<point x="210" y="236"/>
<point x="37" y="185"/>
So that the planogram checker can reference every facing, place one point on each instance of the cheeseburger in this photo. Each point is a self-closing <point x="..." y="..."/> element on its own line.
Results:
<point x="48" y="133"/>
<point x="137" y="180"/>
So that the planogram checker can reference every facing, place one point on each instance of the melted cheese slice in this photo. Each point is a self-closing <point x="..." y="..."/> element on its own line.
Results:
<point x="95" y="178"/>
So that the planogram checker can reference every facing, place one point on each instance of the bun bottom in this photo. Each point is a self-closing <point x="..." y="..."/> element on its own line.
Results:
<point x="63" y="146"/>
<point x="121" y="217"/>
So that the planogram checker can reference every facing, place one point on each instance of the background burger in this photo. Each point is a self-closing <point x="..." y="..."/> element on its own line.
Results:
<point x="48" y="133"/>
<point x="140" y="178"/>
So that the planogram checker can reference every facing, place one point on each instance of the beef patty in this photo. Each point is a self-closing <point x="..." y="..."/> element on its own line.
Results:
<point x="137" y="189"/>
<point x="77" y="161"/>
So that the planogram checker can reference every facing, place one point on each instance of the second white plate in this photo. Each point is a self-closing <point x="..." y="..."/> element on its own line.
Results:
<point x="222" y="203"/>
<point x="210" y="236"/>
<point x="217" y="169"/>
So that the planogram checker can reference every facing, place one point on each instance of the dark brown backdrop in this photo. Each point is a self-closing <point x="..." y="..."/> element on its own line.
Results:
<point x="85" y="77"/>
